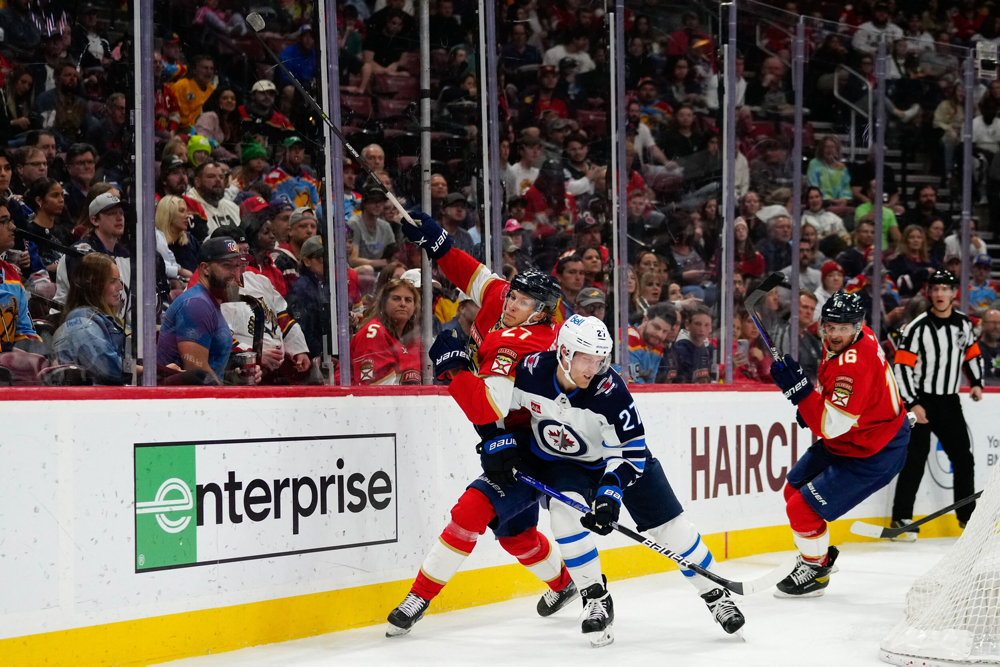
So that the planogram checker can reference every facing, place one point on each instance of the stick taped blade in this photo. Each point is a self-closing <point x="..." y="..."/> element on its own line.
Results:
<point x="255" y="21"/>
<point x="867" y="530"/>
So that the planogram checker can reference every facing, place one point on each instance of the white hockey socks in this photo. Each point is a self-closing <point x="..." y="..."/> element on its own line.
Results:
<point x="813" y="547"/>
<point x="576" y="543"/>
<point x="682" y="537"/>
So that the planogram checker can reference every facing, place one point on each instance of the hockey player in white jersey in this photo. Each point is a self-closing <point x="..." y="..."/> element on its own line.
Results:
<point x="587" y="432"/>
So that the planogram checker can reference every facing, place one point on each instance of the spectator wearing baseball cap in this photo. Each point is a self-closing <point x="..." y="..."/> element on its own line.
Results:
<point x="292" y="178"/>
<point x="592" y="301"/>
<point x="260" y="120"/>
<point x="302" y="225"/>
<point x="194" y="335"/>
<point x="374" y="237"/>
<point x="309" y="296"/>
<point x="453" y="218"/>
<point x="982" y="290"/>
<point x="300" y="59"/>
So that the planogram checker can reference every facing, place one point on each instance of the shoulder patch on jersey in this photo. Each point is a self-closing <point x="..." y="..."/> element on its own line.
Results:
<point x="536" y="408"/>
<point x="605" y="387"/>
<point x="844" y="383"/>
<point x="840" y="397"/>
<point x="367" y="370"/>
<point x="502" y="364"/>
<point x="411" y="376"/>
<point x="507" y="352"/>
<point x="531" y="362"/>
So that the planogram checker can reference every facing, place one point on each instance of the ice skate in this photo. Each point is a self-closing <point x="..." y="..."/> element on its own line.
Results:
<point x="807" y="579"/>
<point x="724" y="609"/>
<point x="409" y="611"/>
<point x="553" y="601"/>
<point x="910" y="535"/>
<point x="598" y="615"/>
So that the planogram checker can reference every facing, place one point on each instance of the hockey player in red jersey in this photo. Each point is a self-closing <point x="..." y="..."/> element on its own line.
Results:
<point x="514" y="319"/>
<point x="386" y="350"/>
<point x="863" y="428"/>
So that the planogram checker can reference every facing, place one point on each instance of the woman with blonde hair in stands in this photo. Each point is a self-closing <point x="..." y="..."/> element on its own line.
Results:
<point x="386" y="350"/>
<point x="172" y="230"/>
<point x="92" y="336"/>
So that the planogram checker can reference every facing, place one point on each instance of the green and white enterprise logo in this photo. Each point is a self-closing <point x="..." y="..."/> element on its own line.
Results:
<point x="231" y="500"/>
<point x="165" y="526"/>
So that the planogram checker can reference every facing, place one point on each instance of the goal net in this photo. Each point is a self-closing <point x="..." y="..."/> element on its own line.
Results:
<point x="952" y="613"/>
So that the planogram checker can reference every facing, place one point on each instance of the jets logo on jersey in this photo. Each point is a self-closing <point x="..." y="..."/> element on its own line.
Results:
<point x="607" y="384"/>
<point x="502" y="365"/>
<point x="559" y="438"/>
<point x="531" y="362"/>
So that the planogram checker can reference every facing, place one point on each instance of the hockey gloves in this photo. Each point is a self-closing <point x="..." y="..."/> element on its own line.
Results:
<point x="428" y="234"/>
<point x="449" y="354"/>
<point x="499" y="457"/>
<point x="792" y="381"/>
<point x="607" y="506"/>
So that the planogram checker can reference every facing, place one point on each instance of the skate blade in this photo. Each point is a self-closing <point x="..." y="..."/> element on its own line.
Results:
<point x="393" y="631"/>
<point x="603" y="638"/>
<point x="813" y="594"/>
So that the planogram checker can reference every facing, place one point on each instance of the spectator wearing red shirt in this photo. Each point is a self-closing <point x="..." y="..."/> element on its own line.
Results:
<point x="387" y="348"/>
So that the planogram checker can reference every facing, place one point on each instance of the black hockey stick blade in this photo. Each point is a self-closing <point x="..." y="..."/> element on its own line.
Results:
<point x="878" y="532"/>
<point x="741" y="587"/>
<point x="750" y="303"/>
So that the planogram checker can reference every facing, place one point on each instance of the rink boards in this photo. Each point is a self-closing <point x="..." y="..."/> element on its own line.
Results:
<point x="173" y="523"/>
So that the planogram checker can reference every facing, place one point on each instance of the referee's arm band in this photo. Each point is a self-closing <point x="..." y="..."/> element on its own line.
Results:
<point x="906" y="358"/>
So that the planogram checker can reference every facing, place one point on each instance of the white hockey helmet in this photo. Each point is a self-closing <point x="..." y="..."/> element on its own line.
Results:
<point x="587" y="335"/>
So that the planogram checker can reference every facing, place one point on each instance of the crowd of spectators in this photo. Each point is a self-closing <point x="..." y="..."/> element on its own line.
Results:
<point x="240" y="193"/>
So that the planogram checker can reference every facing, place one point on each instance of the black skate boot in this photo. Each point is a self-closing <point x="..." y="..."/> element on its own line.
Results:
<point x="724" y="609"/>
<point x="598" y="614"/>
<point x="409" y="611"/>
<point x="552" y="601"/>
<point x="807" y="579"/>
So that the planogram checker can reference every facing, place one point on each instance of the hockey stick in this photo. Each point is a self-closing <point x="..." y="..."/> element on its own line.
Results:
<point x="750" y="303"/>
<point x="871" y="530"/>
<point x="740" y="587"/>
<point x="256" y="22"/>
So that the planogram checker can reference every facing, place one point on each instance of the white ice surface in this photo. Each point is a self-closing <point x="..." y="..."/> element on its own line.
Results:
<point x="658" y="620"/>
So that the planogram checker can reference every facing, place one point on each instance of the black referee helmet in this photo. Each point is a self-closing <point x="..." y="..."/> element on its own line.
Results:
<point x="943" y="277"/>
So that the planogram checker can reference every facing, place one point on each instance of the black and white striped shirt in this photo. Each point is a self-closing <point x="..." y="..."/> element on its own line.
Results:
<point x="932" y="354"/>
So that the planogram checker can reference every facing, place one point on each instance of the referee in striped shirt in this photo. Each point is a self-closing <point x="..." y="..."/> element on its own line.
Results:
<point x="935" y="347"/>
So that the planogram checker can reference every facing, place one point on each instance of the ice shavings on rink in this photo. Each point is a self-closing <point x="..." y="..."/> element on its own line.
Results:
<point x="658" y="620"/>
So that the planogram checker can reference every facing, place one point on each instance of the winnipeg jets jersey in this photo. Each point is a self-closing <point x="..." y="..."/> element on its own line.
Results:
<point x="597" y="427"/>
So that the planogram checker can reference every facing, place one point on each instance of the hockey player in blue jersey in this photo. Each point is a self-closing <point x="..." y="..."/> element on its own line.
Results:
<point x="589" y="438"/>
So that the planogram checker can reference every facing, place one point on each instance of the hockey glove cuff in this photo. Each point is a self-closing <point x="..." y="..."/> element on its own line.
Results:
<point x="791" y="379"/>
<point x="449" y="353"/>
<point x="429" y="235"/>
<point x="607" y="506"/>
<point x="499" y="457"/>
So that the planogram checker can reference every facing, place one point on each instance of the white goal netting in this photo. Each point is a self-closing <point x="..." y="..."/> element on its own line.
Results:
<point x="952" y="613"/>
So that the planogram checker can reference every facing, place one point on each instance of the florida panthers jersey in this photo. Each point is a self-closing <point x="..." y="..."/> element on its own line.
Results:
<point x="594" y="427"/>
<point x="856" y="407"/>
<point x="378" y="357"/>
<point x="484" y="393"/>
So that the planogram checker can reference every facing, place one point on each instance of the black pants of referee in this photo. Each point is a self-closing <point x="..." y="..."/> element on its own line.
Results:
<point x="946" y="421"/>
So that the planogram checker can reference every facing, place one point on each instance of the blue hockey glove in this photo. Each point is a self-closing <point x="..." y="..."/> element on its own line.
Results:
<point x="607" y="506"/>
<point x="792" y="381"/>
<point x="429" y="235"/>
<point x="449" y="353"/>
<point x="499" y="457"/>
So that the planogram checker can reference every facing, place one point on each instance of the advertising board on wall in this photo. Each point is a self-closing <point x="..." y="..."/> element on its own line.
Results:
<point x="206" y="502"/>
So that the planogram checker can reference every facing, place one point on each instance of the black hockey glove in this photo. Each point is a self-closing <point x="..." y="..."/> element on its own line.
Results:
<point x="429" y="235"/>
<point x="607" y="506"/>
<point x="792" y="381"/>
<point x="449" y="353"/>
<point x="500" y="458"/>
